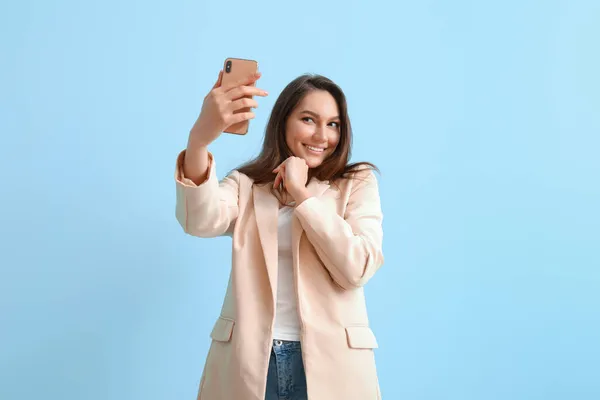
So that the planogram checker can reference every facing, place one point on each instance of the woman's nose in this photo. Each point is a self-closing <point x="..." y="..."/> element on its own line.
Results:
<point x="319" y="134"/>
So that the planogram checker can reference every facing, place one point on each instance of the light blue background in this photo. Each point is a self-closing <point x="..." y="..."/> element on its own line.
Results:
<point x="483" y="117"/>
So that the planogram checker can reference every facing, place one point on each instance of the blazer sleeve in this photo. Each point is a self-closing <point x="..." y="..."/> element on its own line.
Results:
<point x="209" y="209"/>
<point x="349" y="246"/>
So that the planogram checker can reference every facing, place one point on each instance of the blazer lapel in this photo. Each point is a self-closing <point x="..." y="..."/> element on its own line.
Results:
<point x="266" y="209"/>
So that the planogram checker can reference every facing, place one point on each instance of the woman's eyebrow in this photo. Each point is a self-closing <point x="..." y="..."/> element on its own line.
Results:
<point x="316" y="115"/>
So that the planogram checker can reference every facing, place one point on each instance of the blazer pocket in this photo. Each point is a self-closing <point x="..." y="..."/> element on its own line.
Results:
<point x="361" y="337"/>
<point x="222" y="330"/>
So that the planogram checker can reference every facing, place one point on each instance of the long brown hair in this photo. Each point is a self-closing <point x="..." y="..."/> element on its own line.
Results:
<point x="275" y="149"/>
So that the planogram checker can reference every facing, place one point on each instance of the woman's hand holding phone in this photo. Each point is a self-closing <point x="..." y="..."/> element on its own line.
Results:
<point x="218" y="112"/>
<point x="220" y="106"/>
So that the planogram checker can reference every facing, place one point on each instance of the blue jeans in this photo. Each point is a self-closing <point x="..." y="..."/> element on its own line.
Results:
<point x="286" y="379"/>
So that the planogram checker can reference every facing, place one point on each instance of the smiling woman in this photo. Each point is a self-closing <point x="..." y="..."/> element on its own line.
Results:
<point x="307" y="235"/>
<point x="310" y="136"/>
<point x="309" y="120"/>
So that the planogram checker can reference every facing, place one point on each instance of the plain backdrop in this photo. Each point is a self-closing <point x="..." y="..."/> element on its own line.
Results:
<point x="483" y="117"/>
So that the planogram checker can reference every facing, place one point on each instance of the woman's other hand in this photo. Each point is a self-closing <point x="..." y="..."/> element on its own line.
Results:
<point x="293" y="173"/>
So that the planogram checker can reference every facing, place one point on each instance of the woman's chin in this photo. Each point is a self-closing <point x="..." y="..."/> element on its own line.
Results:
<point x="312" y="163"/>
<point x="311" y="160"/>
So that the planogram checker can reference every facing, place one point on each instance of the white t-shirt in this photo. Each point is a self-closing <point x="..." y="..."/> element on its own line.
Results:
<point x="287" y="322"/>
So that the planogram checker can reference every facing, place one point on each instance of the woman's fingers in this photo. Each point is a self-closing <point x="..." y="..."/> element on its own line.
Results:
<point x="243" y="103"/>
<point x="239" y="117"/>
<point x="276" y="170"/>
<point x="243" y="91"/>
<point x="280" y="171"/>
<point x="277" y="181"/>
<point x="281" y="166"/>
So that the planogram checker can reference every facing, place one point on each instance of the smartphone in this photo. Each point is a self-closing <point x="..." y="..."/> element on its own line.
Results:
<point x="235" y="69"/>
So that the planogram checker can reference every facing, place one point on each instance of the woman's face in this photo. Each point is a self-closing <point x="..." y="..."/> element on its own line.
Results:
<point x="313" y="127"/>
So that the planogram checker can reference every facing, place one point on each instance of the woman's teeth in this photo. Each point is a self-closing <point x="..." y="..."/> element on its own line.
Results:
<point x="315" y="149"/>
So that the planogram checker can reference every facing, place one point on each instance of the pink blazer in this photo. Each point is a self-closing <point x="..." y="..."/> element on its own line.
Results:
<point x="337" y="237"/>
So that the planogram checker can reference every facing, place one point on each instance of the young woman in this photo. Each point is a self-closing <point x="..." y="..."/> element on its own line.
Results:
<point x="307" y="235"/>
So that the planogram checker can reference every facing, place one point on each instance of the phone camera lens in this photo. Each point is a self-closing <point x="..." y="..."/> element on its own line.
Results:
<point x="228" y="67"/>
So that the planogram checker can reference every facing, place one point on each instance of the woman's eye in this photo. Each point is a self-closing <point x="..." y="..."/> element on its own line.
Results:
<point x="306" y="119"/>
<point x="337" y="124"/>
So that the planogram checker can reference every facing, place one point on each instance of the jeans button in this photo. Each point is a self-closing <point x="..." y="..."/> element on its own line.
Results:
<point x="278" y="343"/>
